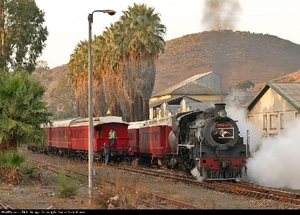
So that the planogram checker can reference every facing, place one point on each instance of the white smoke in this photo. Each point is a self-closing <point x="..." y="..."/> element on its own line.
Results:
<point x="240" y="115"/>
<point x="196" y="174"/>
<point x="273" y="162"/>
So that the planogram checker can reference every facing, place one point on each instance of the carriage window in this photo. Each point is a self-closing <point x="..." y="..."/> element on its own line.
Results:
<point x="98" y="131"/>
<point x="131" y="136"/>
<point x="273" y="121"/>
<point x="265" y="122"/>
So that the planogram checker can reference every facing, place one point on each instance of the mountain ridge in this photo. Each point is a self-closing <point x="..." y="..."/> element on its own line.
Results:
<point x="236" y="56"/>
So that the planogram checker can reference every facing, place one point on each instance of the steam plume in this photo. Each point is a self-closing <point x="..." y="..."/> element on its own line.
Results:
<point x="220" y="14"/>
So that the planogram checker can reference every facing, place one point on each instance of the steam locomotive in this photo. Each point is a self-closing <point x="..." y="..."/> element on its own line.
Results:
<point x="208" y="141"/>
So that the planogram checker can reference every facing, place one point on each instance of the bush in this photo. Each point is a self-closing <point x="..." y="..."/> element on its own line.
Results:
<point x="28" y="170"/>
<point x="69" y="187"/>
<point x="9" y="165"/>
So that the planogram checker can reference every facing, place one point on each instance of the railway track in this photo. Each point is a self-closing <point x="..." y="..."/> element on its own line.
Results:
<point x="140" y="196"/>
<point x="262" y="192"/>
<point x="5" y="206"/>
<point x="239" y="188"/>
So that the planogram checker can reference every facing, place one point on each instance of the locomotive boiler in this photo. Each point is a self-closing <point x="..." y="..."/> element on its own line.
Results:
<point x="210" y="141"/>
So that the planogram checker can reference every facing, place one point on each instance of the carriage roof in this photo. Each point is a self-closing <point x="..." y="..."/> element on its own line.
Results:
<point x="100" y="120"/>
<point x="153" y="122"/>
<point x="64" y="123"/>
<point x="85" y="121"/>
<point x="134" y="125"/>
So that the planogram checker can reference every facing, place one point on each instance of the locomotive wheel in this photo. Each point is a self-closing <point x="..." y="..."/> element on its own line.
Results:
<point x="172" y="163"/>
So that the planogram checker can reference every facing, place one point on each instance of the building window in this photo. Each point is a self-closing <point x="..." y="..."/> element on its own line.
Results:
<point x="264" y="122"/>
<point x="281" y="121"/>
<point x="273" y="121"/>
<point x="250" y="119"/>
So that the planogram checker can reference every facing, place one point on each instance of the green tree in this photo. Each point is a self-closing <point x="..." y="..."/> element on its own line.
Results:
<point x="22" y="111"/>
<point x="124" y="64"/>
<point x="143" y="43"/>
<point x="244" y="85"/>
<point x="78" y="76"/>
<point x="41" y="66"/>
<point x="22" y="34"/>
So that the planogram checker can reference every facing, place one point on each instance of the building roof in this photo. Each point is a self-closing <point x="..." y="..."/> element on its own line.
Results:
<point x="158" y="103"/>
<point x="174" y="100"/>
<point x="290" y="91"/>
<point x="189" y="86"/>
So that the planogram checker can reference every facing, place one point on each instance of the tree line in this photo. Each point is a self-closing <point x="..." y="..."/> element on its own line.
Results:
<point x="124" y="68"/>
<point x="124" y="65"/>
<point x="22" y="39"/>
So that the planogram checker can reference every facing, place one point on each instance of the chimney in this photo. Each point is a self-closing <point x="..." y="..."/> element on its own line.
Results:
<point x="218" y="107"/>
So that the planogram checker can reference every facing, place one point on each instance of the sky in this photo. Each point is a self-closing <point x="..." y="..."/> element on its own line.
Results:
<point x="67" y="21"/>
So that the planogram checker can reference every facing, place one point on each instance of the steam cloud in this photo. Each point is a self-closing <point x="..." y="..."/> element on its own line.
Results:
<point x="273" y="162"/>
<point x="220" y="12"/>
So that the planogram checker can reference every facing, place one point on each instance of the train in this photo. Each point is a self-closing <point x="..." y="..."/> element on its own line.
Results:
<point x="70" y="138"/>
<point x="206" y="140"/>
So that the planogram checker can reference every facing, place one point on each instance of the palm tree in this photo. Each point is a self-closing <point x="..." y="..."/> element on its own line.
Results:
<point x="22" y="111"/>
<point x="101" y="67"/>
<point x="113" y="82"/>
<point x="78" y="75"/>
<point x="143" y="38"/>
<point x="124" y="64"/>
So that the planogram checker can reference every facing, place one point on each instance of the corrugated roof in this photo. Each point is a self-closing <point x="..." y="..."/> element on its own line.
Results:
<point x="156" y="103"/>
<point x="290" y="91"/>
<point x="188" y="86"/>
<point x="174" y="99"/>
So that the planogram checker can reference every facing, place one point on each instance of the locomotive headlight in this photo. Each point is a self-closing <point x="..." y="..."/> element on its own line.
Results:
<point x="222" y="113"/>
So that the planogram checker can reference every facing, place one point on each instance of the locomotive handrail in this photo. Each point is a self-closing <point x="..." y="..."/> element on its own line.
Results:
<point x="248" y="144"/>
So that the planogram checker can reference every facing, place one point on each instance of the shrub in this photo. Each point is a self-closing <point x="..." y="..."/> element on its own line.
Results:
<point x="9" y="165"/>
<point x="67" y="187"/>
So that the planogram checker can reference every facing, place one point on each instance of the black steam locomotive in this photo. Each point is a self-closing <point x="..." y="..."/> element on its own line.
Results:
<point x="209" y="141"/>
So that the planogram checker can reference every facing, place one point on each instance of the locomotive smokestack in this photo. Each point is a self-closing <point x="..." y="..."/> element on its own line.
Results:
<point x="218" y="107"/>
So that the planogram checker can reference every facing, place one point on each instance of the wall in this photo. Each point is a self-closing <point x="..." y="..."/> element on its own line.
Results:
<point x="278" y="113"/>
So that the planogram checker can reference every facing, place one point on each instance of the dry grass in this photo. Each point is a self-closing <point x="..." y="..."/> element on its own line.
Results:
<point x="209" y="203"/>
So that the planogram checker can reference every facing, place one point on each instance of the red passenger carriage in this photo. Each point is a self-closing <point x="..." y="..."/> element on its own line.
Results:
<point x="149" y="141"/>
<point x="70" y="137"/>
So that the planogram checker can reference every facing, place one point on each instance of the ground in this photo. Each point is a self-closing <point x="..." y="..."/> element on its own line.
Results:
<point x="41" y="191"/>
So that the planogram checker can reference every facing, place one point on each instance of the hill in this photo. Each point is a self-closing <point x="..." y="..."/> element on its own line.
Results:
<point x="236" y="56"/>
